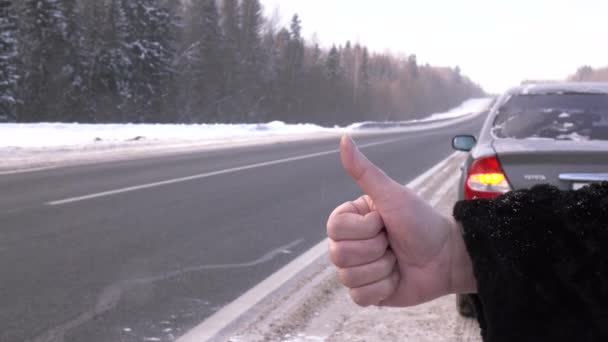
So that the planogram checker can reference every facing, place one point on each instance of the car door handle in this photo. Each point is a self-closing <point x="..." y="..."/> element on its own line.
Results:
<point x="584" y="177"/>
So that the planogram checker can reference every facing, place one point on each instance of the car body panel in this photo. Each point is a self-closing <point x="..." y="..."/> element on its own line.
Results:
<point x="530" y="162"/>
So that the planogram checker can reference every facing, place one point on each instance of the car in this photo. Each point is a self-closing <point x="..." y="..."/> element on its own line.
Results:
<point x="549" y="133"/>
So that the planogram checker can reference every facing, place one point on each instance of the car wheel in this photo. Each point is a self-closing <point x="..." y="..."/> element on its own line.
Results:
<point x="464" y="305"/>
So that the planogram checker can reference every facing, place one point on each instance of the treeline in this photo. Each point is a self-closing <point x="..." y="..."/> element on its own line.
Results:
<point x="589" y="74"/>
<point x="199" y="61"/>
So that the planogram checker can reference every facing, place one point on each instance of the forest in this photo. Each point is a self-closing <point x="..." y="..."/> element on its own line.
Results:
<point x="201" y="61"/>
<point x="588" y="74"/>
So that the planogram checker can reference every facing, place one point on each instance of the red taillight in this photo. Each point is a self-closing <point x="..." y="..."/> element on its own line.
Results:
<point x="486" y="179"/>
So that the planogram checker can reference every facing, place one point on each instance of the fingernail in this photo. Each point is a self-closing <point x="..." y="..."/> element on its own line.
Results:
<point x="356" y="152"/>
<point x="347" y="140"/>
<point x="353" y="142"/>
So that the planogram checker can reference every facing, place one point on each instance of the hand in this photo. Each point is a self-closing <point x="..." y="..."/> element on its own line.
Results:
<point x="391" y="247"/>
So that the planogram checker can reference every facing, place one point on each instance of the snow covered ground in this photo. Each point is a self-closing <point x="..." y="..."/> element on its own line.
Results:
<point x="27" y="147"/>
<point x="62" y="135"/>
<point x="467" y="107"/>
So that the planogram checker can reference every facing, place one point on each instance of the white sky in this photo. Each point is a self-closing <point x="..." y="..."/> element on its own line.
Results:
<point x="497" y="43"/>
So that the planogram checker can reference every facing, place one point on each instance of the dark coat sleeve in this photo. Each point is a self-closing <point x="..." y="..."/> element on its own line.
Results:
<point x="540" y="258"/>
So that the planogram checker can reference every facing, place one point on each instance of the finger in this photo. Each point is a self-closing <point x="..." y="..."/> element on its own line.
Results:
<point x="375" y="293"/>
<point x="359" y="206"/>
<point x="368" y="274"/>
<point x="363" y="204"/>
<point x="373" y="181"/>
<point x="354" y="226"/>
<point x="346" y="254"/>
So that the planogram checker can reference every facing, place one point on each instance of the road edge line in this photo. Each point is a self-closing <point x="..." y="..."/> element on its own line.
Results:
<point x="214" y="324"/>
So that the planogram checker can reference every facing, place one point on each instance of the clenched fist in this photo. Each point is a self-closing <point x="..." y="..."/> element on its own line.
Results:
<point x="391" y="248"/>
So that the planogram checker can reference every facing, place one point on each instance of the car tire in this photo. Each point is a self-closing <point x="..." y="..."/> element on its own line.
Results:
<point x="464" y="305"/>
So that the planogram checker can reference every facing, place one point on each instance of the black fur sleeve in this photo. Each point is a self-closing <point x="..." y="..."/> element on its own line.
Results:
<point x="540" y="257"/>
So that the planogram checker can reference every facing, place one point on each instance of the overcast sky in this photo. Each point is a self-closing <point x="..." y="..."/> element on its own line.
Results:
<point x="497" y="43"/>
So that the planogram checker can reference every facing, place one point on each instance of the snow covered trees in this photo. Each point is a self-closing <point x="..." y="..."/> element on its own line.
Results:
<point x="50" y="75"/>
<point x="205" y="66"/>
<point x="130" y="60"/>
<point x="588" y="74"/>
<point x="111" y="71"/>
<point x="149" y="50"/>
<point x="8" y="61"/>
<point x="231" y="60"/>
<point x="199" y="61"/>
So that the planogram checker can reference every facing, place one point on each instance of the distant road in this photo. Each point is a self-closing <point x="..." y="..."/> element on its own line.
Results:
<point x="144" y="250"/>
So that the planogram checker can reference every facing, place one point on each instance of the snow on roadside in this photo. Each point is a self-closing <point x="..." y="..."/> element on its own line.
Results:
<point x="53" y="135"/>
<point x="467" y="107"/>
<point x="60" y="134"/>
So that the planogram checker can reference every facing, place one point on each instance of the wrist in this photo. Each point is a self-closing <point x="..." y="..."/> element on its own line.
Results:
<point x="462" y="279"/>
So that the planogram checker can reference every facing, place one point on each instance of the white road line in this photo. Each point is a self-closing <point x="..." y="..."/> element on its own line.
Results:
<point x="423" y="177"/>
<point x="447" y="186"/>
<point x="211" y="174"/>
<point x="228" y="314"/>
<point x="3" y="173"/>
<point x="214" y="324"/>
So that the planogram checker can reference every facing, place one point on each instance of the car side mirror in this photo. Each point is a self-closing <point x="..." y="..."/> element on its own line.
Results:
<point x="464" y="143"/>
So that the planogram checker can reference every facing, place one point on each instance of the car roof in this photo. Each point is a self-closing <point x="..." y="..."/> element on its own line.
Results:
<point x="559" y="88"/>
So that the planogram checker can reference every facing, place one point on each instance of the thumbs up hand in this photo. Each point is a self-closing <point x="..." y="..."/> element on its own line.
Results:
<point x="391" y="248"/>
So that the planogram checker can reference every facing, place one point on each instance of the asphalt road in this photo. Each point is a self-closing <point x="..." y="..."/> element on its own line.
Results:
<point x="148" y="264"/>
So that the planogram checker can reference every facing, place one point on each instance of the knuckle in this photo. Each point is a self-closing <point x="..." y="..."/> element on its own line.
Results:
<point x="346" y="277"/>
<point x="358" y="297"/>
<point x="337" y="254"/>
<point x="380" y="244"/>
<point x="389" y="260"/>
<point x="331" y="227"/>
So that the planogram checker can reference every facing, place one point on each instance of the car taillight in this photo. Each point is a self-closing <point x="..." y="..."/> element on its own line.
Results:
<point x="485" y="179"/>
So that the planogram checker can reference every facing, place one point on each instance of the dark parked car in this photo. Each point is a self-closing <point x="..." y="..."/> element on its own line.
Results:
<point x="554" y="133"/>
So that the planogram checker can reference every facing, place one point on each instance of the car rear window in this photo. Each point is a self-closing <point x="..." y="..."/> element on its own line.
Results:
<point x="576" y="117"/>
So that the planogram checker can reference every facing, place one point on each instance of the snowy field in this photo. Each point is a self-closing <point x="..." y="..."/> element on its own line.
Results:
<point x="65" y="135"/>
<point x="27" y="147"/>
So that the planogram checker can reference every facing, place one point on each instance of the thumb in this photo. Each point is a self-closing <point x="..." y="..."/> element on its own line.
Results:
<point x="373" y="181"/>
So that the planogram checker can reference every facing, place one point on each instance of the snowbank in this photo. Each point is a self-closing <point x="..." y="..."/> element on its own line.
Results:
<point x="468" y="107"/>
<point x="59" y="134"/>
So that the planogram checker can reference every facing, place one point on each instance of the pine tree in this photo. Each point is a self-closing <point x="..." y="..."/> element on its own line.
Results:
<point x="314" y="85"/>
<point x="295" y="68"/>
<point x="8" y="61"/>
<point x="149" y="46"/>
<point x="210" y="52"/>
<point x="48" y="72"/>
<point x="364" y="85"/>
<point x="252" y="56"/>
<point x="171" y="89"/>
<point x="231" y="66"/>
<point x="201" y="70"/>
<point x="94" y="22"/>
<point x="53" y="82"/>
<point x="75" y="105"/>
<point x="334" y="76"/>
<point x="281" y="90"/>
<point x="412" y="66"/>
<point x="457" y="75"/>
<point x="348" y="62"/>
<point x="111" y="80"/>
<point x="333" y="64"/>
<point x="584" y="73"/>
